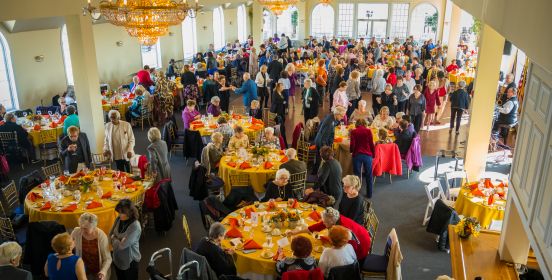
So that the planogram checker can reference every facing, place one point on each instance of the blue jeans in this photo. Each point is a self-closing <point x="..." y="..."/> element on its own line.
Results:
<point x="359" y="161"/>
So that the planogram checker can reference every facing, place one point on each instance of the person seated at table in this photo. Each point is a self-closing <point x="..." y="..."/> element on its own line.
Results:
<point x="63" y="264"/>
<point x="10" y="256"/>
<point x="329" y="174"/>
<point x="135" y="108"/>
<point x="341" y="253"/>
<point x="360" y="238"/>
<point x="62" y="105"/>
<point x="219" y="259"/>
<point x="71" y="120"/>
<point x="92" y="245"/>
<point x="22" y="134"/>
<point x="350" y="205"/>
<point x="2" y="112"/>
<point x="125" y="240"/>
<point x="75" y="150"/>
<point x="293" y="165"/>
<point x="383" y="137"/>
<point x="256" y="110"/>
<point x="190" y="114"/>
<point x="317" y="197"/>
<point x="388" y="99"/>
<point x="214" y="153"/>
<point x="361" y="113"/>
<point x="144" y="77"/>
<point x="225" y="129"/>
<point x="238" y="140"/>
<point x="383" y="120"/>
<point x="269" y="139"/>
<point x="134" y="84"/>
<point x="403" y="139"/>
<point x="301" y="259"/>
<point x="279" y="189"/>
<point x="214" y="107"/>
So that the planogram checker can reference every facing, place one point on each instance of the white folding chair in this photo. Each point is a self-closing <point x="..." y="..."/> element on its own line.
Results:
<point x="452" y="189"/>
<point x="434" y="192"/>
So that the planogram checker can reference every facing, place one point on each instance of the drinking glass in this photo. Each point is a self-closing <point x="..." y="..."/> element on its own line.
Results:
<point x="25" y="114"/>
<point x="50" y="113"/>
<point x="66" y="173"/>
<point x="38" y="112"/>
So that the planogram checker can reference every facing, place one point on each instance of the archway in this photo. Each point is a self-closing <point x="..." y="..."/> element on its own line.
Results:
<point x="424" y="22"/>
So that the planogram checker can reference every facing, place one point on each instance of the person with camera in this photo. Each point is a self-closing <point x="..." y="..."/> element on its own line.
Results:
<point x="75" y="150"/>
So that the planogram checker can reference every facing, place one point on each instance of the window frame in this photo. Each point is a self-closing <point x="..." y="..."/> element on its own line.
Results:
<point x="221" y="36"/>
<point x="10" y="78"/>
<point x="314" y="21"/>
<point x="242" y="23"/>
<point x="159" y="63"/>
<point x="66" y="54"/>
<point x="191" y="18"/>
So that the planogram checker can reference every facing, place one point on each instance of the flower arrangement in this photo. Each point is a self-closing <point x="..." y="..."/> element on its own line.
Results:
<point x="279" y="217"/>
<point x="86" y="181"/>
<point x="260" y="151"/>
<point x="468" y="226"/>
<point x="293" y="216"/>
<point x="34" y="117"/>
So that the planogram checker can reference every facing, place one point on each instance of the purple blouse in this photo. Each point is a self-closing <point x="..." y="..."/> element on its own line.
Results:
<point x="188" y="116"/>
<point x="213" y="110"/>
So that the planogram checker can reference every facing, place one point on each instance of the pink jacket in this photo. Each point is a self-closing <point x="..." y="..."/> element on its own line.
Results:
<point x="414" y="154"/>
<point x="340" y="98"/>
<point x="388" y="159"/>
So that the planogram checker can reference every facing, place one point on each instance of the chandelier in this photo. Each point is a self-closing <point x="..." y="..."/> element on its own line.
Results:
<point x="277" y="7"/>
<point x="325" y="2"/>
<point x="146" y="20"/>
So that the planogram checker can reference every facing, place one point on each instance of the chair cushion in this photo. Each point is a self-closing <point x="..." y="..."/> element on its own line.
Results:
<point x="375" y="263"/>
<point x="52" y="145"/>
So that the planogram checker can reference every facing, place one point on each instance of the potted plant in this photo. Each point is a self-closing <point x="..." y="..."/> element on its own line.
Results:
<point x="467" y="227"/>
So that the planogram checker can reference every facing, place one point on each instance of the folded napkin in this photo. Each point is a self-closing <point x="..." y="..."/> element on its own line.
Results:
<point x="34" y="196"/>
<point x="104" y="102"/>
<point x="477" y="192"/>
<point x="237" y="117"/>
<point x="70" y="208"/>
<point x="251" y="244"/>
<point x="271" y="205"/>
<point x="245" y="165"/>
<point x="231" y="164"/>
<point x="46" y="206"/>
<point x="213" y="126"/>
<point x="62" y="178"/>
<point x="197" y="122"/>
<point x="234" y="233"/>
<point x="281" y="152"/>
<point x="129" y="181"/>
<point x="473" y="186"/>
<point x="312" y="147"/>
<point x="196" y="126"/>
<point x="248" y="212"/>
<point x="107" y="195"/>
<point x="257" y="121"/>
<point x="234" y="222"/>
<point x="94" y="204"/>
<point x="325" y="239"/>
<point x="490" y="201"/>
<point x="268" y="165"/>
<point x="315" y="216"/>
<point x="284" y="159"/>
<point x="295" y="204"/>
<point x="338" y="140"/>
<point x="131" y="96"/>
<point x="53" y="125"/>
<point x="37" y="127"/>
<point x="125" y="99"/>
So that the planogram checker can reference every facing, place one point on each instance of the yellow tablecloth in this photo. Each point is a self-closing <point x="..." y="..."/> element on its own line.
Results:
<point x="35" y="135"/>
<point x="258" y="176"/>
<point x="124" y="107"/>
<point x="466" y="206"/>
<point x="106" y="214"/>
<point x="210" y="125"/>
<point x="455" y="78"/>
<point x="371" y="72"/>
<point x="253" y="262"/>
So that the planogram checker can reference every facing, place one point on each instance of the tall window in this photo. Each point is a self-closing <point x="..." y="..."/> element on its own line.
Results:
<point x="399" y="21"/>
<point x="151" y="55"/>
<point x="242" y="24"/>
<point x="322" y="21"/>
<point x="346" y="12"/>
<point x="372" y="20"/>
<point x="268" y="24"/>
<point x="189" y="35"/>
<point x="218" y="28"/>
<point x="287" y="22"/>
<point x="424" y="22"/>
<point x="7" y="84"/>
<point x="66" y="55"/>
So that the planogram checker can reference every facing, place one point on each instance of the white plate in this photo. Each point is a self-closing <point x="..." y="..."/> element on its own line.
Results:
<point x="268" y="255"/>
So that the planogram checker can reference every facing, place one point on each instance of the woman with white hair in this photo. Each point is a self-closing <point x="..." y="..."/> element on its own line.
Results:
<point x="279" y="189"/>
<point x="310" y="101"/>
<point x="10" y="256"/>
<point x="290" y="69"/>
<point x="383" y="120"/>
<point x="158" y="159"/>
<point x="219" y="259"/>
<point x="214" y="107"/>
<point x="378" y="87"/>
<point x="91" y="244"/>
<point x="263" y="82"/>
<point x="212" y="153"/>
<point x="361" y="112"/>
<point x="351" y="203"/>
<point x="269" y="139"/>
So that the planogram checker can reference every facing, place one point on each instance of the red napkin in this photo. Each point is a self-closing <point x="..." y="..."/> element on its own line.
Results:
<point x="315" y="216"/>
<point x="271" y="205"/>
<point x="104" y="102"/>
<point x="125" y="99"/>
<point x="295" y="204"/>
<point x="245" y="165"/>
<point x="46" y="206"/>
<point x="248" y="212"/>
<point x="488" y="183"/>
<point x="131" y="96"/>
<point x="94" y="204"/>
<point x="37" y="127"/>
<point x="234" y="233"/>
<point x="53" y="125"/>
<point x="70" y="208"/>
<point x="34" y="196"/>
<point x="107" y="195"/>
<point x="325" y="240"/>
<point x="47" y="182"/>
<point x="251" y="244"/>
<point x="491" y="199"/>
<point x="477" y="192"/>
<point x="312" y="147"/>
<point x="284" y="159"/>
<point x="257" y="121"/>
<point x="473" y="185"/>
<point x="338" y="140"/>
<point x="213" y="126"/>
<point x="62" y="178"/>
<point x="268" y="165"/>
<point x="231" y="164"/>
<point x="281" y="152"/>
<point x="129" y="181"/>
<point x="197" y="122"/>
<point x="234" y="222"/>
<point x="196" y="126"/>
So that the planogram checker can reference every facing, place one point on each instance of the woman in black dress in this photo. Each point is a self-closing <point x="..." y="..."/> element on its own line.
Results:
<point x="278" y="104"/>
<point x="351" y="203"/>
<point x="279" y="189"/>
<point x="223" y="93"/>
<point x="220" y="260"/>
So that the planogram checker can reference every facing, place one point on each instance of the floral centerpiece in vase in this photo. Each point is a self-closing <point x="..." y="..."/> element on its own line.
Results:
<point x="278" y="219"/>
<point x="260" y="152"/>
<point x="467" y="227"/>
<point x="85" y="182"/>
<point x="293" y="219"/>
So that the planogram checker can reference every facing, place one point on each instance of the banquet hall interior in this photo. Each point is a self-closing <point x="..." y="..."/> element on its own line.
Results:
<point x="275" y="139"/>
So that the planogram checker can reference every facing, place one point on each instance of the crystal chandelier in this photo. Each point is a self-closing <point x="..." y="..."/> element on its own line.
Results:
<point x="146" y="20"/>
<point x="325" y="2"/>
<point x="277" y="7"/>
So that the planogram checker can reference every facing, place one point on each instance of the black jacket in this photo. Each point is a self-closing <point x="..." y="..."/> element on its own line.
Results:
<point x="164" y="215"/>
<point x="459" y="99"/>
<point x="197" y="186"/>
<point x="37" y="248"/>
<point x="11" y="272"/>
<point x="22" y="134"/>
<point x="221" y="263"/>
<point x="273" y="193"/>
<point x="277" y="106"/>
<point x="188" y="78"/>
<point x="404" y="140"/>
<point x="28" y="182"/>
<point x="315" y="100"/>
<point x="274" y="70"/>
<point x="70" y="161"/>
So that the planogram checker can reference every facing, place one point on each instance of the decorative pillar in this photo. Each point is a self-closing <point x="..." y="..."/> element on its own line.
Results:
<point x="87" y="81"/>
<point x="514" y="244"/>
<point x="454" y="33"/>
<point x="257" y="24"/>
<point x="491" y="45"/>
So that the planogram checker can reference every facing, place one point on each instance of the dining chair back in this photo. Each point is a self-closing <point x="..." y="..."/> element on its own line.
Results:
<point x="99" y="160"/>
<point x="239" y="180"/>
<point x="145" y="115"/>
<point x="11" y="197"/>
<point x="451" y="180"/>
<point x="10" y="146"/>
<point x="48" y="143"/>
<point x="6" y="229"/>
<point x="297" y="182"/>
<point x="375" y="266"/>
<point x="434" y="192"/>
<point x="52" y="170"/>
<point x="372" y="226"/>
<point x="271" y="119"/>
<point x="187" y="233"/>
<point x="239" y="110"/>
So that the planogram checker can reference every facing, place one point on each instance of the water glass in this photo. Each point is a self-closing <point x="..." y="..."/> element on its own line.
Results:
<point x="38" y="112"/>
<point x="25" y="114"/>
<point x="50" y="113"/>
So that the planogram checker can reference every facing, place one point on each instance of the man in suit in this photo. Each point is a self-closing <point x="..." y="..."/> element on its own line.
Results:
<point x="275" y="68"/>
<point x="119" y="141"/>
<point x="10" y="255"/>
<point x="293" y="165"/>
<point x="22" y="134"/>
<point x="75" y="150"/>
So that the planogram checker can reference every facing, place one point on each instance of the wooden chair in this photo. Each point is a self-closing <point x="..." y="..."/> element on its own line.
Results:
<point x="252" y="137"/>
<point x="271" y="119"/>
<point x="145" y="115"/>
<point x="187" y="234"/>
<point x="52" y="170"/>
<point x="11" y="197"/>
<point x="375" y="266"/>
<point x="10" y="144"/>
<point x="305" y="154"/>
<point x="372" y="225"/>
<point x="239" y="180"/>
<point x="434" y="192"/>
<point x="177" y="143"/>
<point x="6" y="229"/>
<point x="240" y="110"/>
<point x="297" y="182"/>
<point x="99" y="160"/>
<point x="48" y="143"/>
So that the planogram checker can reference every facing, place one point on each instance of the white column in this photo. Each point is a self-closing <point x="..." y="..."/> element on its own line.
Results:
<point x="514" y="244"/>
<point x="454" y="33"/>
<point x="87" y="82"/>
<point x="491" y="44"/>
<point x="257" y="24"/>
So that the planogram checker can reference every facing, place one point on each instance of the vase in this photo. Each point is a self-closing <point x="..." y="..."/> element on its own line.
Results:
<point x="293" y="224"/>
<point x="464" y="236"/>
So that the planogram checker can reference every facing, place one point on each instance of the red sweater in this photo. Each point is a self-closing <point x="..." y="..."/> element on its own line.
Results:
<point x="361" y="245"/>
<point x="145" y="78"/>
<point x="392" y="79"/>
<point x="362" y="141"/>
<point x="452" y="67"/>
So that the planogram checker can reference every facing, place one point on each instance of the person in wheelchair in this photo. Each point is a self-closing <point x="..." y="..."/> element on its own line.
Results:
<point x="507" y="114"/>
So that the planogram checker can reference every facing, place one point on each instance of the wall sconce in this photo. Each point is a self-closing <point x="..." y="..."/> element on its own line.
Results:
<point x="39" y="58"/>
<point x="171" y="34"/>
<point x="119" y="43"/>
<point x="204" y="27"/>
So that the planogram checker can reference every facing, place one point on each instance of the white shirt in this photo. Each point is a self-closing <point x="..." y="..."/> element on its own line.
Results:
<point x="332" y="257"/>
<point x="410" y="84"/>
<point x="506" y="108"/>
<point x="379" y="123"/>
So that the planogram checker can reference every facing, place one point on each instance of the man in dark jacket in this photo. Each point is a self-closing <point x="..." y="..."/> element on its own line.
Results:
<point x="404" y="137"/>
<point x="75" y="149"/>
<point x="22" y="134"/>
<point x="311" y="99"/>
<point x="10" y="255"/>
<point x="275" y="67"/>
<point x="459" y="102"/>
<point x="293" y="165"/>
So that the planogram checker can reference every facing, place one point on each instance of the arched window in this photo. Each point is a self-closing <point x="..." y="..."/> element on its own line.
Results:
<point x="268" y="24"/>
<point x="189" y="35"/>
<point x="287" y="22"/>
<point x="218" y="28"/>
<point x="66" y="55"/>
<point x="322" y="23"/>
<point x="7" y="84"/>
<point x="424" y="22"/>
<point x="242" y="24"/>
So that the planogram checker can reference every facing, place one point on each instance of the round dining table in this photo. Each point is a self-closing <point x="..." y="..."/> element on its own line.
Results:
<point x="123" y="105"/>
<point x="252" y="264"/>
<point x="207" y="125"/>
<point x="475" y="206"/>
<point x="63" y="212"/>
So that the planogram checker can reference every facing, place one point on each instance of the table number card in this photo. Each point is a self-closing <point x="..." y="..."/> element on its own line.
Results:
<point x="255" y="218"/>
<point x="283" y="242"/>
